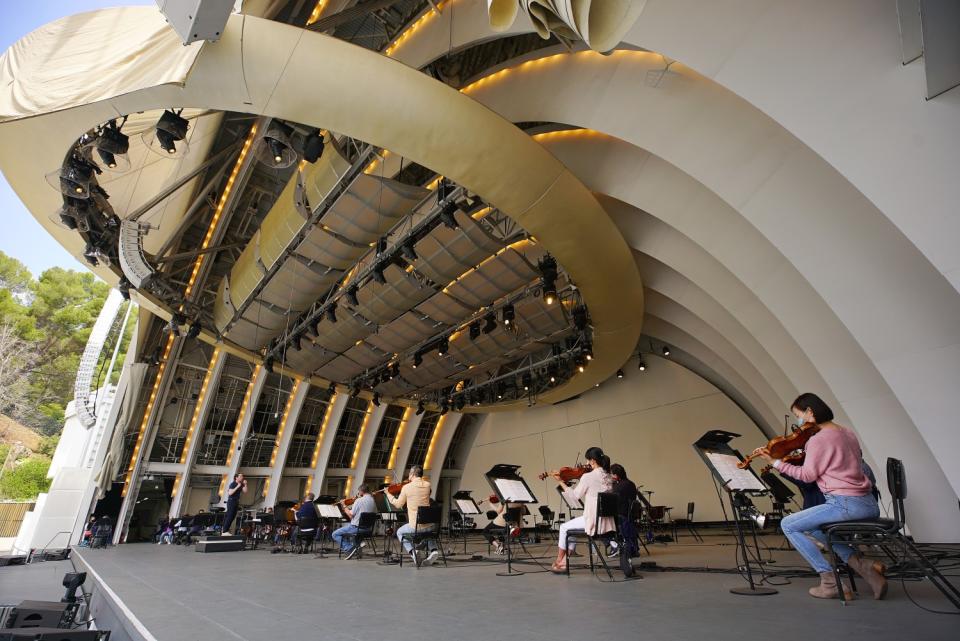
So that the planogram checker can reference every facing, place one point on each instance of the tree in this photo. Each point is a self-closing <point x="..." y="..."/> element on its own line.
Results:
<point x="17" y="358"/>
<point x="26" y="480"/>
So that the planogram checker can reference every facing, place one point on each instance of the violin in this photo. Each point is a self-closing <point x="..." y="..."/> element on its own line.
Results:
<point x="493" y="499"/>
<point x="789" y="447"/>
<point x="568" y="474"/>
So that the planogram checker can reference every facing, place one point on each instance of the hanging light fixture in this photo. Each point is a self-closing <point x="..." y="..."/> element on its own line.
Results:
<point x="169" y="137"/>
<point x="276" y="150"/>
<point x="313" y="146"/>
<point x="112" y="146"/>
<point x="548" y="278"/>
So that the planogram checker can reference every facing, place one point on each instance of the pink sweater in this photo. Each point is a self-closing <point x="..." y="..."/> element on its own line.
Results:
<point x="834" y="461"/>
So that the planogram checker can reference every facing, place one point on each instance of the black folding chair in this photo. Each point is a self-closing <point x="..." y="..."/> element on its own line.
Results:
<point x="306" y="533"/>
<point x="883" y="532"/>
<point x="545" y="526"/>
<point x="364" y="533"/>
<point x="687" y="523"/>
<point x="607" y="506"/>
<point x="428" y="529"/>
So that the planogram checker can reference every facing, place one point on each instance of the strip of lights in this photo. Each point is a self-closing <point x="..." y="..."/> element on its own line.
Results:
<point x="283" y="423"/>
<point x="396" y="439"/>
<point x="428" y="460"/>
<point x="356" y="447"/>
<point x="317" y="10"/>
<point x="147" y="414"/>
<point x="196" y="410"/>
<point x="218" y="212"/>
<point x="427" y="17"/>
<point x="316" y="447"/>
<point x="240" y="418"/>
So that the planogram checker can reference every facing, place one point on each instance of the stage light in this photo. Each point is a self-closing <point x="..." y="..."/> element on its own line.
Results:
<point x="619" y="373"/>
<point x="444" y="407"/>
<point x="313" y="146"/>
<point x="355" y="392"/>
<point x="268" y="364"/>
<point x="315" y="327"/>
<point x="194" y="329"/>
<point x="489" y="323"/>
<point x="277" y="150"/>
<point x="376" y="399"/>
<point x="173" y="325"/>
<point x="332" y="388"/>
<point x="459" y="403"/>
<point x="381" y="244"/>
<point x="641" y="365"/>
<point x="408" y="251"/>
<point x="499" y="392"/>
<point x="474" y="330"/>
<point x="417" y="360"/>
<point x="394" y="370"/>
<point x="352" y="296"/>
<point x="508" y="314"/>
<point x="75" y="179"/>
<point x="580" y="317"/>
<point x="420" y="408"/>
<point x="548" y="278"/>
<point x="581" y="364"/>
<point x="588" y="351"/>
<point x="378" y="274"/>
<point x="666" y="350"/>
<point x="552" y="370"/>
<point x="168" y="137"/>
<point x="331" y="313"/>
<point x="526" y="379"/>
<point x="447" y="215"/>
<point x="295" y="343"/>
<point x="112" y="146"/>
<point x="443" y="346"/>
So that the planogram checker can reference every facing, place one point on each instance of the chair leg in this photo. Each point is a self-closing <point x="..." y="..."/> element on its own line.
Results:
<point x="835" y="562"/>
<point x="939" y="581"/>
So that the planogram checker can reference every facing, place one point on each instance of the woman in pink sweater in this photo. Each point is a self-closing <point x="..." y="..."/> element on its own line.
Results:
<point x="834" y="462"/>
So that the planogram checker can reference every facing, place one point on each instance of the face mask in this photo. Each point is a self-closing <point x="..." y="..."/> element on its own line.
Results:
<point x="799" y="421"/>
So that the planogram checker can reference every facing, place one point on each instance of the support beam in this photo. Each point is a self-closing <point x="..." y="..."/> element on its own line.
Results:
<point x="208" y="393"/>
<point x="328" y="429"/>
<point x="439" y="443"/>
<point x="365" y="441"/>
<point x="403" y="442"/>
<point x="242" y="428"/>
<point x="288" y="424"/>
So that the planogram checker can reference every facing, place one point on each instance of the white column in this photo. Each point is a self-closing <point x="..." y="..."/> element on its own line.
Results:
<point x="403" y="443"/>
<point x="242" y="429"/>
<point x="321" y="453"/>
<point x="288" y="426"/>
<point x="365" y="441"/>
<point x="439" y="444"/>
<point x="208" y="393"/>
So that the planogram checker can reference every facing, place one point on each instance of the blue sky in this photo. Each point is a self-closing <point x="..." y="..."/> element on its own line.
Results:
<point x="23" y="237"/>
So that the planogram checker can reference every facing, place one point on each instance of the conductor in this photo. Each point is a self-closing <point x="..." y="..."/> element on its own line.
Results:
<point x="234" y="490"/>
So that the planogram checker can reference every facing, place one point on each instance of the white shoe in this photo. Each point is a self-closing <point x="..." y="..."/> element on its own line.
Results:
<point x="416" y="559"/>
<point x="363" y="544"/>
<point x="431" y="558"/>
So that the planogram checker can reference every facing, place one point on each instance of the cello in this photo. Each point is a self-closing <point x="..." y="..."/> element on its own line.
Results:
<point x="788" y="448"/>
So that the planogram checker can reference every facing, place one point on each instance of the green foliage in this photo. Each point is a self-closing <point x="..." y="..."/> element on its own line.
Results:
<point x="4" y="450"/>
<point x="48" y="445"/>
<point x="26" y="480"/>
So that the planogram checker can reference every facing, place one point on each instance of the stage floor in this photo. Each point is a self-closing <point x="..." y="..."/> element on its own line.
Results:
<point x="178" y="594"/>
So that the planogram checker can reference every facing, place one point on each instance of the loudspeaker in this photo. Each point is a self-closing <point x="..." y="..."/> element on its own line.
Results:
<point x="37" y="614"/>
<point x="197" y="19"/>
<point x="49" y="634"/>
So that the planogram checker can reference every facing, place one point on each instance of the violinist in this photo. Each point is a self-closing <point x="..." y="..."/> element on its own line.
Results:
<point x="413" y="495"/>
<point x="597" y="480"/>
<point x="626" y="491"/>
<point x="833" y="461"/>
<point x="364" y="503"/>
<point x="496" y="529"/>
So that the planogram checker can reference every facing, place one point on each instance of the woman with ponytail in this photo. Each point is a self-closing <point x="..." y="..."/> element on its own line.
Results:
<point x="597" y="480"/>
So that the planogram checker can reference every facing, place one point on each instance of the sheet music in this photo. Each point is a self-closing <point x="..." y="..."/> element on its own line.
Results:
<point x="467" y="506"/>
<point x="329" y="511"/>
<point x="570" y="499"/>
<point x="514" y="491"/>
<point x="726" y="467"/>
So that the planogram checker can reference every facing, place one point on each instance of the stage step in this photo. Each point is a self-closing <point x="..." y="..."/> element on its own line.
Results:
<point x="13" y="559"/>
<point x="207" y="544"/>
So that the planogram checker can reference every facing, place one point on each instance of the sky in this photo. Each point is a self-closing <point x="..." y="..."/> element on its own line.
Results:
<point x="23" y="237"/>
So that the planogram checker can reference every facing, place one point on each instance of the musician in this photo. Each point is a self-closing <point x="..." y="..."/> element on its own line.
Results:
<point x="834" y="461"/>
<point x="364" y="503"/>
<point x="597" y="480"/>
<point x="496" y="529"/>
<point x="626" y="491"/>
<point x="414" y="494"/>
<point x="234" y="490"/>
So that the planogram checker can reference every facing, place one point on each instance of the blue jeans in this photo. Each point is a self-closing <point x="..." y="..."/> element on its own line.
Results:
<point x="407" y="545"/>
<point x="346" y="529"/>
<point x="799" y="526"/>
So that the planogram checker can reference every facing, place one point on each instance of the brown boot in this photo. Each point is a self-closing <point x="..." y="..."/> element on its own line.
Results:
<point x="868" y="570"/>
<point x="828" y="588"/>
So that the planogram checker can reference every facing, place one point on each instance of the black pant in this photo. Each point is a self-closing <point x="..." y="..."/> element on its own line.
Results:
<point x="230" y="515"/>
<point x="492" y="531"/>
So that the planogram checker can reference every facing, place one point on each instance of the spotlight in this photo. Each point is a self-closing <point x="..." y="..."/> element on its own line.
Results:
<point x="381" y="244"/>
<point x="447" y="215"/>
<point x="474" y="330"/>
<point x="112" y="146"/>
<point x="548" y="277"/>
<point x="123" y="285"/>
<point x="444" y="407"/>
<point x="355" y="392"/>
<point x="408" y="251"/>
<point x="331" y="388"/>
<point x="526" y="379"/>
<point x="489" y="323"/>
<point x="508" y="314"/>
<point x="395" y="370"/>
<point x="194" y="330"/>
<point x="619" y="373"/>
<point x="417" y="360"/>
<point x="313" y="146"/>
<point x="331" y="313"/>
<point x="352" y="296"/>
<point x="378" y="274"/>
<point x="75" y="179"/>
<point x="580" y="317"/>
<point x="420" y="408"/>
<point x="476" y="401"/>
<point x="173" y="326"/>
<point x="170" y="130"/>
<point x="666" y="350"/>
<point x="581" y="364"/>
<point x="459" y="403"/>
<point x="277" y="150"/>
<point x="296" y="344"/>
<point x="376" y="399"/>
<point x="552" y="371"/>
<point x="499" y="392"/>
<point x="443" y="346"/>
<point x="587" y="351"/>
<point x="315" y="327"/>
<point x="641" y="365"/>
<point x="268" y="364"/>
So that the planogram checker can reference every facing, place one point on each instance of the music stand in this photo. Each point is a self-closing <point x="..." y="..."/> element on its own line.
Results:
<point x="510" y="487"/>
<point x="466" y="507"/>
<point x="328" y="511"/>
<point x="721" y="459"/>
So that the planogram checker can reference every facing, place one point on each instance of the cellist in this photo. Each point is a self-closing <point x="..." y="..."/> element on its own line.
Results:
<point x="833" y="460"/>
